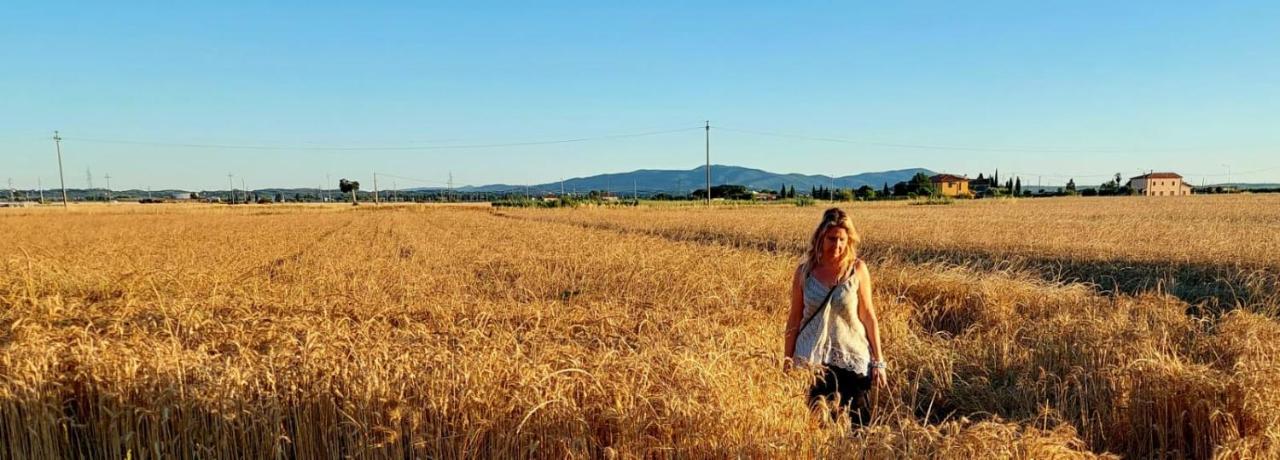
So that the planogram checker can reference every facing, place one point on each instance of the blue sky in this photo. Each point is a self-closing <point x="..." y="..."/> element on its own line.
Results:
<point x="1192" y="87"/>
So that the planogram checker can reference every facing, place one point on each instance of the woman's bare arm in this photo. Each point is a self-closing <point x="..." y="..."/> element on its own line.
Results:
<point x="795" y="315"/>
<point x="867" y="314"/>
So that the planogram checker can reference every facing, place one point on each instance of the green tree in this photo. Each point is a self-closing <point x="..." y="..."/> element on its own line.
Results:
<point x="1017" y="186"/>
<point x="920" y="185"/>
<point x="845" y="195"/>
<point x="351" y="187"/>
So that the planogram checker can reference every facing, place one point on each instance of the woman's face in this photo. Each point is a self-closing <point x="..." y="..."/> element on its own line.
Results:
<point x="834" y="243"/>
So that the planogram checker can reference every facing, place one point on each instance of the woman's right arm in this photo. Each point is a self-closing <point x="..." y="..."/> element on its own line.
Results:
<point x="794" y="316"/>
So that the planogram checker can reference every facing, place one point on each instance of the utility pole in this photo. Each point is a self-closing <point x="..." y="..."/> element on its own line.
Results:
<point x="708" y="136"/>
<point x="562" y="188"/>
<point x="326" y="187"/>
<point x="375" y="189"/>
<point x="232" y="187"/>
<point x="57" y="142"/>
<point x="395" y="191"/>
<point x="448" y="194"/>
<point x="40" y="185"/>
<point x="108" y="178"/>
<point x="246" y="191"/>
<point x="11" y="198"/>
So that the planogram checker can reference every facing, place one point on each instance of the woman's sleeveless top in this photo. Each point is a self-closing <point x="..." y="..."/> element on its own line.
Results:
<point x="835" y="337"/>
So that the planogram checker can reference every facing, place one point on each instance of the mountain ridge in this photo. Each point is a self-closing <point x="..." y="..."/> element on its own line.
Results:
<point x="677" y="181"/>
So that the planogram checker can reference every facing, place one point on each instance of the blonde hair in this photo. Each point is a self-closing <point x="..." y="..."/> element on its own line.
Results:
<point x="832" y="219"/>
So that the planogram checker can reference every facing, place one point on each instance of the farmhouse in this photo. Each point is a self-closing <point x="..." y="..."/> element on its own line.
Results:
<point x="950" y="185"/>
<point x="1160" y="184"/>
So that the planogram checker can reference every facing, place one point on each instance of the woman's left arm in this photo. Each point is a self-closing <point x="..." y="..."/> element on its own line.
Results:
<point x="867" y="314"/>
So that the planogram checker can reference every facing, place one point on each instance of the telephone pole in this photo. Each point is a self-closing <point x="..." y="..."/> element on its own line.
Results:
<point x="246" y="191"/>
<point x="708" y="136"/>
<point x="108" y="178"/>
<point x="326" y="188"/>
<point x="232" y="187"/>
<point x="11" y="198"/>
<point x="40" y="185"/>
<point x="375" y="189"/>
<point x="57" y="143"/>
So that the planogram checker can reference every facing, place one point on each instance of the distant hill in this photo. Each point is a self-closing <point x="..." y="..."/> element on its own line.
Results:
<point x="1247" y="186"/>
<point x="649" y="181"/>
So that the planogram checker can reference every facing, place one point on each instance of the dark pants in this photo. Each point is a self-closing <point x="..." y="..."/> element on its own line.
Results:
<point x="848" y="389"/>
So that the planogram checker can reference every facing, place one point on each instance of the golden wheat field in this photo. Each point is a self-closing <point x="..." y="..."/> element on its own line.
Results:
<point x="1056" y="328"/>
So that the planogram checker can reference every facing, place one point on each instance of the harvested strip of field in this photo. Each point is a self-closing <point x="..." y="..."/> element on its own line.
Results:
<point x="455" y="333"/>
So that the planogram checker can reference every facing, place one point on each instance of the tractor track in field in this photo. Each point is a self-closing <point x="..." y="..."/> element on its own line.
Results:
<point x="1205" y="287"/>
<point x="275" y="266"/>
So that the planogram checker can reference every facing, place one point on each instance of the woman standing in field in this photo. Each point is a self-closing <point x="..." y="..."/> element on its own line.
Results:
<point x="832" y="325"/>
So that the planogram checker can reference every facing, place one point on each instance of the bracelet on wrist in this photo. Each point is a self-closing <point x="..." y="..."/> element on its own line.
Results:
<point x="877" y="364"/>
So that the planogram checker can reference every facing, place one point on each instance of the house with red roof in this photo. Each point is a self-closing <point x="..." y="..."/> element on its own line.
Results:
<point x="1160" y="184"/>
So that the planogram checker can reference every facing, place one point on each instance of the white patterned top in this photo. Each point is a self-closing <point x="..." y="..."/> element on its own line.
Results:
<point x="836" y="336"/>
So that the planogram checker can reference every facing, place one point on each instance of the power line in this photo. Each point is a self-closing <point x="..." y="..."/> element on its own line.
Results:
<point x="937" y="147"/>
<point x="425" y="181"/>
<point x="372" y="148"/>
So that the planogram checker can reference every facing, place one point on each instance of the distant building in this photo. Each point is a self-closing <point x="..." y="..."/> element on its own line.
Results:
<point x="950" y="185"/>
<point x="1160" y="184"/>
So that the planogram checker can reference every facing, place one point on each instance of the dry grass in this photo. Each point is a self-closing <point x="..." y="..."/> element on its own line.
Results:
<point x="1216" y="249"/>
<point x="449" y="333"/>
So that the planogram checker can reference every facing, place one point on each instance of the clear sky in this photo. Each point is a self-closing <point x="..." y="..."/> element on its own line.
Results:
<point x="961" y="87"/>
